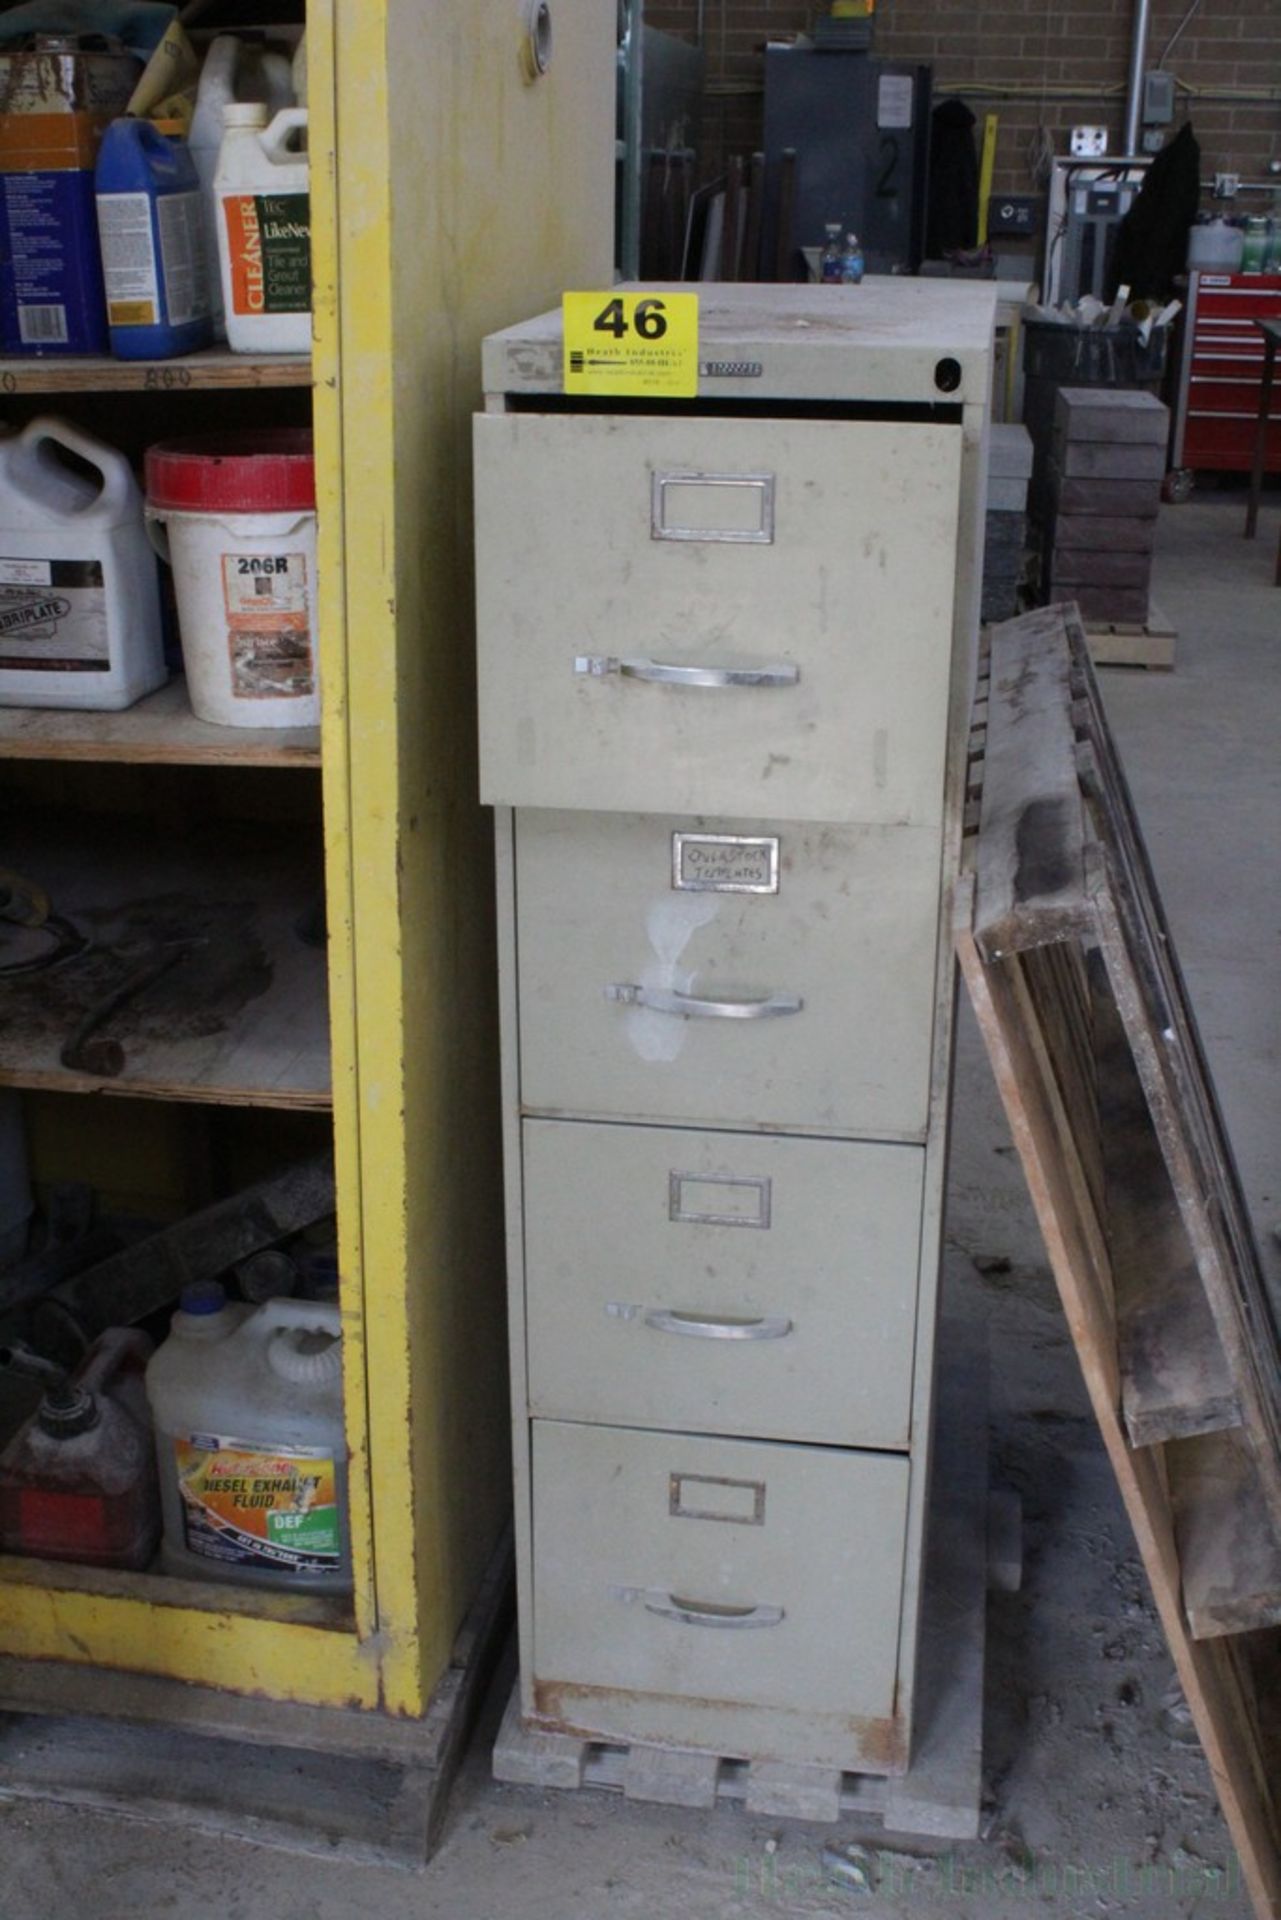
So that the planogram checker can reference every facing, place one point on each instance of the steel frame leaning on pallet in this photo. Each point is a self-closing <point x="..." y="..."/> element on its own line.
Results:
<point x="1073" y="977"/>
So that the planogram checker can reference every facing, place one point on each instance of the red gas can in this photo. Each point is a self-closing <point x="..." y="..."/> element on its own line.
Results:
<point x="78" y="1479"/>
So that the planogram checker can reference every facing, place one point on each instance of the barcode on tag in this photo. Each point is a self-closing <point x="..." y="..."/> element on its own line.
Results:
<point x="42" y="326"/>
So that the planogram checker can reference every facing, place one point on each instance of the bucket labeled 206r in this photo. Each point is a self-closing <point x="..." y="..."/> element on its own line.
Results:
<point x="235" y="516"/>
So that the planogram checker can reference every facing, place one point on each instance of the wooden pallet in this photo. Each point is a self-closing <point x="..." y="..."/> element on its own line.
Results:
<point x="1073" y="977"/>
<point x="939" y="1796"/>
<point x="342" y="1784"/>
<point x="1122" y="643"/>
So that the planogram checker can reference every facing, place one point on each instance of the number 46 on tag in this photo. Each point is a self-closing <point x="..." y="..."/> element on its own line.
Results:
<point x="631" y="343"/>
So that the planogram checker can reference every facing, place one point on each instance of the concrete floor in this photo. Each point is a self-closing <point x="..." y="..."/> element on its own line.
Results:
<point x="1095" y="1807"/>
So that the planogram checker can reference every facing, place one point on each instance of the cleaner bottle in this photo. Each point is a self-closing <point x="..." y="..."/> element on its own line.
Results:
<point x="262" y="187"/>
<point x="232" y="71"/>
<point x="829" y="266"/>
<point x="247" y="1405"/>
<point x="78" y="1479"/>
<point x="79" y="591"/>
<point x="154" y="259"/>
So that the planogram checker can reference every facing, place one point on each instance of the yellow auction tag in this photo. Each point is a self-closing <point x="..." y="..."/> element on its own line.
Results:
<point x="631" y="343"/>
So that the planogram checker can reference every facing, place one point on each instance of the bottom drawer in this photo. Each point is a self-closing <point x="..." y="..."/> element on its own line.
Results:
<point x="736" y="1595"/>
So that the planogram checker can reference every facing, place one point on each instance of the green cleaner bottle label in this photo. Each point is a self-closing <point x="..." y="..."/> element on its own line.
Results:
<point x="269" y="250"/>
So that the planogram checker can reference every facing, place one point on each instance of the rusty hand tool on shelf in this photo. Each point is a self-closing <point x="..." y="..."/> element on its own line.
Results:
<point x="90" y="1051"/>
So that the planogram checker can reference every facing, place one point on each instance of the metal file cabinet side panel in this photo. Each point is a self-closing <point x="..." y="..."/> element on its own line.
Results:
<point x="969" y="579"/>
<point x="514" y="1209"/>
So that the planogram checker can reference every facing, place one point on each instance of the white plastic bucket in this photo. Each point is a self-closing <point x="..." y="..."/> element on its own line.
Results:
<point x="244" y="575"/>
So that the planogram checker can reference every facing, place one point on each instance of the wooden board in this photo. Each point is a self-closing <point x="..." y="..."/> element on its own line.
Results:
<point x="160" y="730"/>
<point x="216" y="367"/>
<point x="240" y="1017"/>
<point x="1134" y="1189"/>
<point x="331" y="1781"/>
<point x="1123" y="644"/>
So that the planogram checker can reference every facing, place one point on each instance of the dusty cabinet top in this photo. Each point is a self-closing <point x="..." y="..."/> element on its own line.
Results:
<point x="889" y="339"/>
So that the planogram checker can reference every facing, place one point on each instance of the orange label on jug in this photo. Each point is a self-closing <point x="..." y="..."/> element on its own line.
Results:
<point x="268" y="252"/>
<point x="247" y="1507"/>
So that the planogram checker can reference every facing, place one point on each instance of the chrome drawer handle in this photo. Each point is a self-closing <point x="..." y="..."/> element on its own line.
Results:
<point x="706" y="1613"/>
<point x="664" y="673"/>
<point x="688" y="1006"/>
<point x="704" y="1327"/>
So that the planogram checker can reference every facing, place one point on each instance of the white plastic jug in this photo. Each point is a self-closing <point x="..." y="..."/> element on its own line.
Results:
<point x="232" y="71"/>
<point x="1215" y="246"/>
<point x="247" y="1406"/>
<point x="79" y="592"/>
<point x="262" y="186"/>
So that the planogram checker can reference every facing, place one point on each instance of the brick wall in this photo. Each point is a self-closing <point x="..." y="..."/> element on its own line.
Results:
<point x="973" y="44"/>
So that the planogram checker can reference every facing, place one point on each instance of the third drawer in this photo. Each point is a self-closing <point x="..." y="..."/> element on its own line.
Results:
<point x="722" y="1283"/>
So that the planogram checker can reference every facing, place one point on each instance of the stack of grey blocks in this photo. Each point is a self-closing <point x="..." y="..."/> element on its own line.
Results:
<point x="1005" y="531"/>
<point x="1106" y="467"/>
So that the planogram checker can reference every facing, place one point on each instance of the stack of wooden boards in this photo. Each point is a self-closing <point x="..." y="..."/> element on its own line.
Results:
<point x="1009" y="469"/>
<point x="1073" y="976"/>
<point x="1106" y="466"/>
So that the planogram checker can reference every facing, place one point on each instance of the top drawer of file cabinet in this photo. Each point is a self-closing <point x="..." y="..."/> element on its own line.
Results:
<point x="701" y="615"/>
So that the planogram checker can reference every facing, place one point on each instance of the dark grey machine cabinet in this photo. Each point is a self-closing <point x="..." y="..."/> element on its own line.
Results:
<point x="860" y="129"/>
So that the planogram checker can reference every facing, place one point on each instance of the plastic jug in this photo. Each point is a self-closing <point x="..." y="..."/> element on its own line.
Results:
<point x="79" y="590"/>
<point x="56" y="99"/>
<point x="155" y="261"/>
<point x="1215" y="246"/>
<point x="232" y="71"/>
<point x="299" y="70"/>
<point x="78" y="1479"/>
<point x="262" y="187"/>
<point x="247" y="1406"/>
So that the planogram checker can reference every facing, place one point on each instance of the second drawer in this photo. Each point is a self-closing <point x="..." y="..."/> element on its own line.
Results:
<point x="759" y="974"/>
<point x="722" y="1283"/>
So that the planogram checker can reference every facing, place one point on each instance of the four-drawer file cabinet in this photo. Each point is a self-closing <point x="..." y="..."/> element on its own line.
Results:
<point x="725" y="659"/>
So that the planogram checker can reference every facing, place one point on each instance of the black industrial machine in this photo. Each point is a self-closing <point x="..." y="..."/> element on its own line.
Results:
<point x="859" y="129"/>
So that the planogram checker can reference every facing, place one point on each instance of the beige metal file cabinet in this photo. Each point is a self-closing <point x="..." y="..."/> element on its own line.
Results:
<point x="726" y="648"/>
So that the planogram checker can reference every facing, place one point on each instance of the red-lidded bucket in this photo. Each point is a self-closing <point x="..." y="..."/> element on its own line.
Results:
<point x="235" y="515"/>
